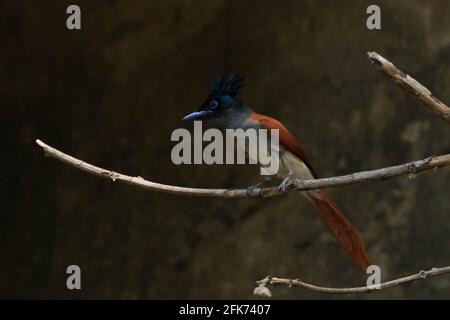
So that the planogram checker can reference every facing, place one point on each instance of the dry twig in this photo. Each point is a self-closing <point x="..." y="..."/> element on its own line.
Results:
<point x="413" y="86"/>
<point x="410" y="168"/>
<point x="262" y="289"/>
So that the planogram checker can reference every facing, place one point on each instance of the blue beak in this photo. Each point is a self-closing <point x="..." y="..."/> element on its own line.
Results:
<point x="196" y="115"/>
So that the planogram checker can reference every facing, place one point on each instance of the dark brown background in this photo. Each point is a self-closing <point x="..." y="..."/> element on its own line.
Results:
<point x="113" y="92"/>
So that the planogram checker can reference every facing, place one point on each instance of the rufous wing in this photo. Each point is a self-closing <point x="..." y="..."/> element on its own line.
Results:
<point x="287" y="140"/>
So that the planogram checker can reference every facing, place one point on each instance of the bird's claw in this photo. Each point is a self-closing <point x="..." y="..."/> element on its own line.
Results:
<point x="284" y="185"/>
<point x="255" y="190"/>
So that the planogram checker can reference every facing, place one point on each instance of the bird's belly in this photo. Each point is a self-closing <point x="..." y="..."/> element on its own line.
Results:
<point x="294" y="168"/>
<point x="291" y="165"/>
<point x="288" y="163"/>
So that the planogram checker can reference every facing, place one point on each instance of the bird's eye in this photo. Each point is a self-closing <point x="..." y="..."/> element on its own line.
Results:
<point x="213" y="104"/>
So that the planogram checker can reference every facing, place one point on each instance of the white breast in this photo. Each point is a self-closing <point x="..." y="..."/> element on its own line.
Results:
<point x="291" y="165"/>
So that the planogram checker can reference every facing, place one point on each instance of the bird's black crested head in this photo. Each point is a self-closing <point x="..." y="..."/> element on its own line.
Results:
<point x="227" y="85"/>
<point x="221" y="105"/>
<point x="223" y="93"/>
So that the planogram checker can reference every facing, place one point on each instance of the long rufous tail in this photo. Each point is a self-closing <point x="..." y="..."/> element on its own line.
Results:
<point x="346" y="234"/>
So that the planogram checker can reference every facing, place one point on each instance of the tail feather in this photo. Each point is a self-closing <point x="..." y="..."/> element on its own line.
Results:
<point x="345" y="233"/>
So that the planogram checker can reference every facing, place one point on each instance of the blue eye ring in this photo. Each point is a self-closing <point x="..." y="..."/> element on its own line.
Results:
<point x="213" y="104"/>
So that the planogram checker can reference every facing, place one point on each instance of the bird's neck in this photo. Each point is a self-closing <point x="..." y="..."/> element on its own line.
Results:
<point x="239" y="118"/>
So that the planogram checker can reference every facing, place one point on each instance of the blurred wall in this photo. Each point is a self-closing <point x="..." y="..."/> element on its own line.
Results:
<point x="112" y="93"/>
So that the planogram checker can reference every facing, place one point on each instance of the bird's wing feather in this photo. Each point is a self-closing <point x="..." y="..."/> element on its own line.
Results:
<point x="287" y="140"/>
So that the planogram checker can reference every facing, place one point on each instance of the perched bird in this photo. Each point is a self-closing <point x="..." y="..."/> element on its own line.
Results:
<point x="223" y="109"/>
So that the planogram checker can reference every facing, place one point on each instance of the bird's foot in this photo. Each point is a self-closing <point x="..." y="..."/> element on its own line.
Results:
<point x="285" y="184"/>
<point x="256" y="189"/>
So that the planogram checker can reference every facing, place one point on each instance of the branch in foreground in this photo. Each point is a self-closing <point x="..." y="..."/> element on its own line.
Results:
<point x="263" y="290"/>
<point x="410" y="84"/>
<point x="410" y="168"/>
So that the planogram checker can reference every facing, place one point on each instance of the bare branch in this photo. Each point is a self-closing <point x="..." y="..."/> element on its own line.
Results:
<point x="410" y="168"/>
<point x="142" y="183"/>
<point x="264" y="283"/>
<point x="410" y="84"/>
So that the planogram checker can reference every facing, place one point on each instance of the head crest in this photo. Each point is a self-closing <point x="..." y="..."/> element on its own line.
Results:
<point x="227" y="85"/>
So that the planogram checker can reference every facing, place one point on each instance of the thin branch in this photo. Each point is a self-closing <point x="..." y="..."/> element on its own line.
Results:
<point x="142" y="183"/>
<point x="410" y="168"/>
<point x="410" y="84"/>
<point x="263" y="290"/>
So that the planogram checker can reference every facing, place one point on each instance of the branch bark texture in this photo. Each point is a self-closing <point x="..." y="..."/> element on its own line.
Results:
<point x="410" y="168"/>
<point x="411" y="85"/>
<point x="262" y="285"/>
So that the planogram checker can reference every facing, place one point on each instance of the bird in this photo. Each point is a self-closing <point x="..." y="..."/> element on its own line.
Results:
<point x="223" y="109"/>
